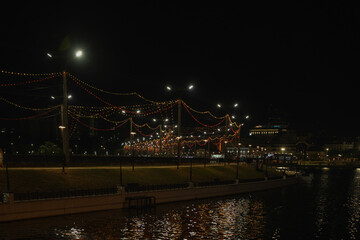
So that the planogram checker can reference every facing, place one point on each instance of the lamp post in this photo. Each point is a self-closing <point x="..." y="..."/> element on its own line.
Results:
<point x="190" y="87"/>
<point x="160" y="135"/>
<point x="65" y="122"/>
<point x="227" y="120"/>
<point x="132" y="134"/>
<point x="62" y="128"/>
<point x="64" y="107"/>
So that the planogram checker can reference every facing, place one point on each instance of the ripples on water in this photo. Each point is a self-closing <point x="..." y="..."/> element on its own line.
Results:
<point x="326" y="207"/>
<point x="221" y="219"/>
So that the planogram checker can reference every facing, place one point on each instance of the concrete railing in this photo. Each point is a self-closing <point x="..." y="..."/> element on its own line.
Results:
<point x="11" y="210"/>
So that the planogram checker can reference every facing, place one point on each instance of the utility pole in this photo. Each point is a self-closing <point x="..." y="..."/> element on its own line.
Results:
<point x="179" y="132"/>
<point x="64" y="122"/>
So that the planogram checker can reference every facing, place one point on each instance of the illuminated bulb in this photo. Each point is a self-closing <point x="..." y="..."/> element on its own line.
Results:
<point x="79" y="53"/>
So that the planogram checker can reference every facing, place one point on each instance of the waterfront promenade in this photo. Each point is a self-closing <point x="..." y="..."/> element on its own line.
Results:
<point x="19" y="210"/>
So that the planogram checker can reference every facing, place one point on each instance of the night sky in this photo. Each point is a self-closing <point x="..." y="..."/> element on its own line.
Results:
<point x="299" y="60"/>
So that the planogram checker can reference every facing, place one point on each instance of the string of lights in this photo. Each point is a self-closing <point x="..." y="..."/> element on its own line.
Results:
<point x="98" y="129"/>
<point x="15" y="84"/>
<point x="112" y="93"/>
<point x="124" y="109"/>
<point x="204" y="112"/>
<point x="143" y="134"/>
<point x="28" y="117"/>
<point x="205" y="125"/>
<point x="27" y="108"/>
<point x="30" y="74"/>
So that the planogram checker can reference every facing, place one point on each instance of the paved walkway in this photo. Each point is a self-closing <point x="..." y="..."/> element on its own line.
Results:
<point x="117" y="167"/>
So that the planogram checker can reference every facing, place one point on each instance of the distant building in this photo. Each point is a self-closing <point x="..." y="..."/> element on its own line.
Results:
<point x="268" y="130"/>
<point x="343" y="146"/>
<point x="274" y="135"/>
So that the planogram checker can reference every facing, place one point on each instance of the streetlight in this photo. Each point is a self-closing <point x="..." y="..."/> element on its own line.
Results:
<point x="64" y="107"/>
<point x="62" y="128"/>
<point x="78" y="53"/>
<point x="227" y="118"/>
<point x="190" y="87"/>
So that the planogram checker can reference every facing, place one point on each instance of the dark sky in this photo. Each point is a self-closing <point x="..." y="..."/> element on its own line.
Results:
<point x="299" y="59"/>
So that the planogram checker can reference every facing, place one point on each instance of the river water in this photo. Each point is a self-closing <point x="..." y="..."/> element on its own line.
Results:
<point x="325" y="206"/>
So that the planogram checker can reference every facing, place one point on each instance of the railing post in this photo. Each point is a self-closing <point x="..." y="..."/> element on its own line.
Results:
<point x="8" y="197"/>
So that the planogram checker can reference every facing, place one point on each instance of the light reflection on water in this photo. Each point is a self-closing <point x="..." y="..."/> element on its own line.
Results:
<point x="353" y="206"/>
<point x="325" y="207"/>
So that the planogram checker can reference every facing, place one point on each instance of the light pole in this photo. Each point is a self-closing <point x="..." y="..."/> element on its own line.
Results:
<point x="64" y="107"/>
<point x="65" y="122"/>
<point x="190" y="87"/>
<point x="160" y="135"/>
<point x="132" y="134"/>
<point x="227" y="120"/>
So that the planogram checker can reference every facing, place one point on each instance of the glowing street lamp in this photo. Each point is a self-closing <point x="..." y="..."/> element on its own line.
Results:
<point x="78" y="53"/>
<point x="64" y="108"/>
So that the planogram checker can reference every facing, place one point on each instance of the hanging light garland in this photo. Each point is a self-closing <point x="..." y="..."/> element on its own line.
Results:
<point x="27" y="108"/>
<point x="112" y="93"/>
<point x="98" y="129"/>
<point x="205" y="125"/>
<point x="29" y="117"/>
<point x="27" y="82"/>
<point x="29" y="74"/>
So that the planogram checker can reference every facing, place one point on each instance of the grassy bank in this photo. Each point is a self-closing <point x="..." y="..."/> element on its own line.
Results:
<point x="52" y="179"/>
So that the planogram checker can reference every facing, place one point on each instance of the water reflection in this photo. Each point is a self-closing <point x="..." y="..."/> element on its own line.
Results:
<point x="353" y="207"/>
<point x="328" y="207"/>
<point x="223" y="219"/>
<point x="321" y="200"/>
<point x="240" y="218"/>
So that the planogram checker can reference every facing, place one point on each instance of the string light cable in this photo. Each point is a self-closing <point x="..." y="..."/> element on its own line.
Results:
<point x="205" y="125"/>
<point x="112" y="93"/>
<point x="98" y="129"/>
<point x="29" y="117"/>
<point x="169" y="103"/>
<point x="204" y="112"/>
<point x="28" y="108"/>
<point x="14" y="84"/>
